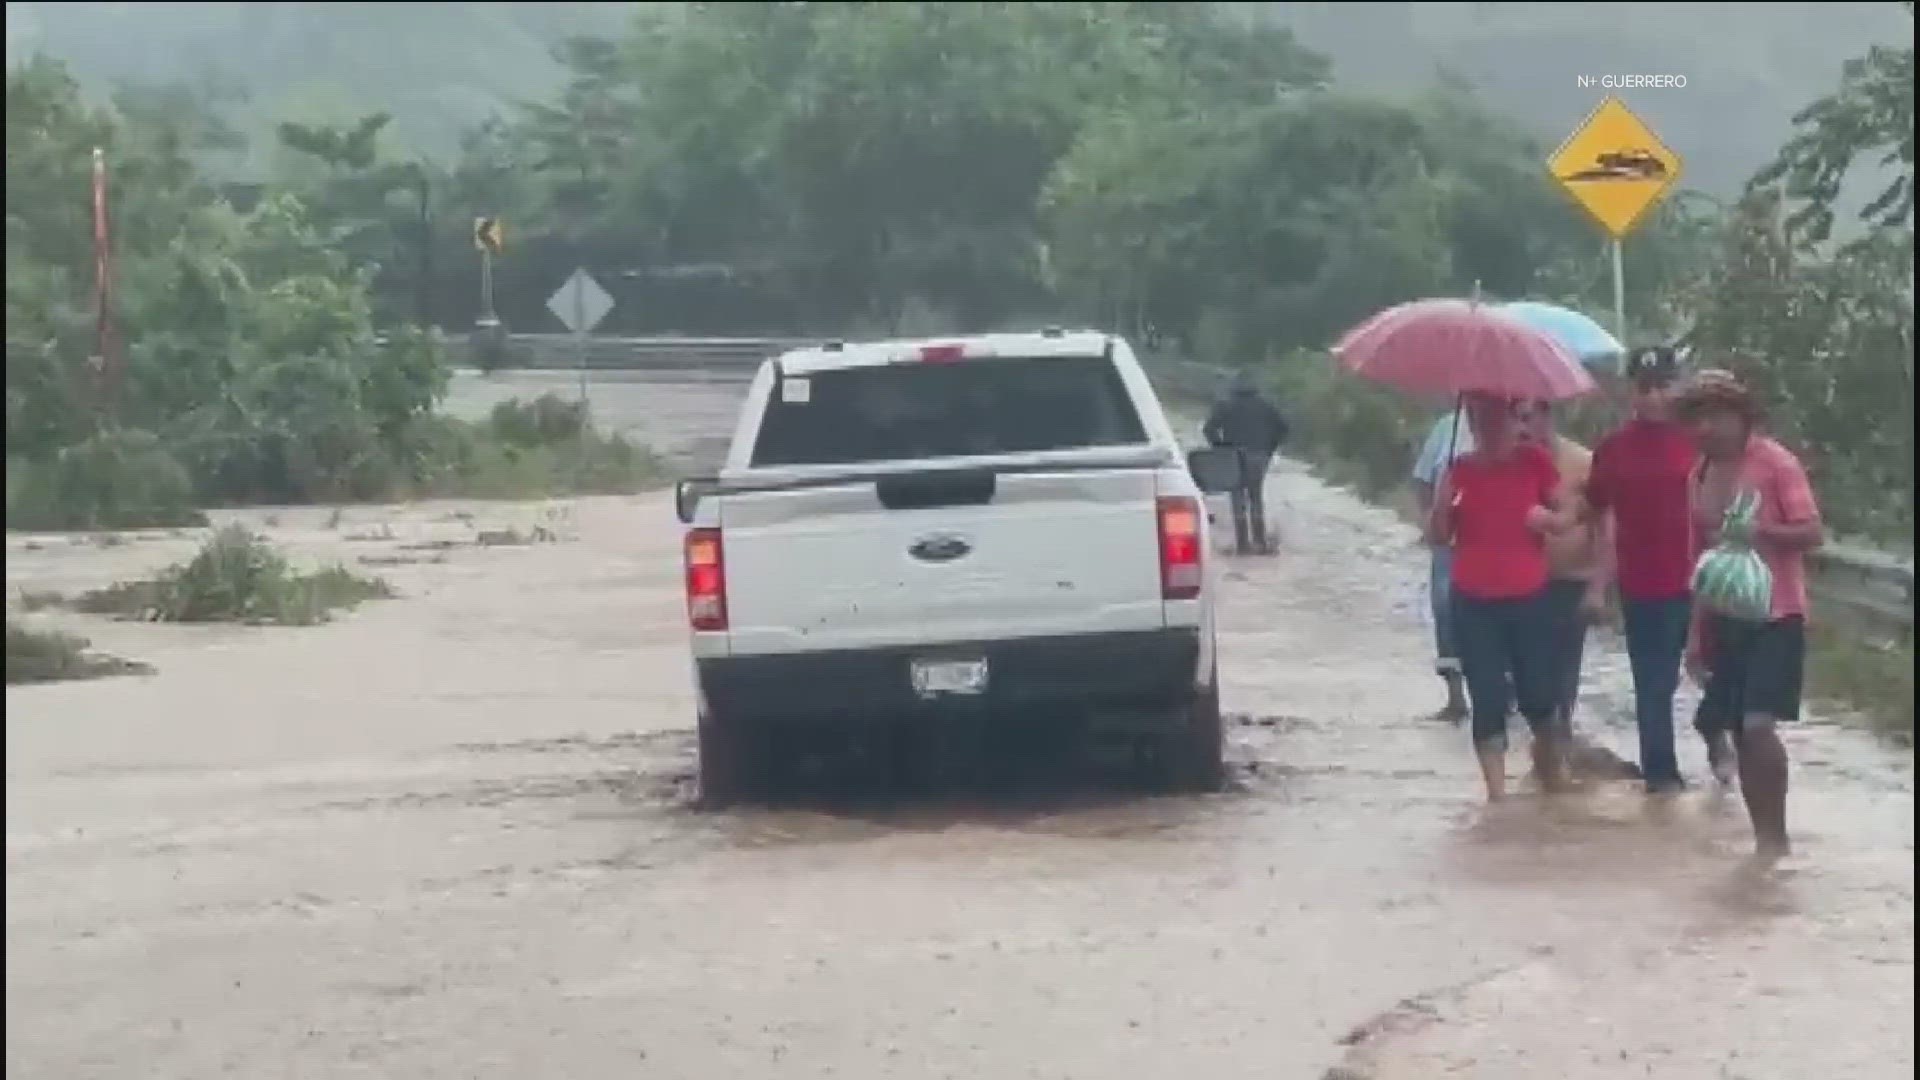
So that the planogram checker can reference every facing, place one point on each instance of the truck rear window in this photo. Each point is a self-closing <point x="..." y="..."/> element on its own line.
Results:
<point x="933" y="410"/>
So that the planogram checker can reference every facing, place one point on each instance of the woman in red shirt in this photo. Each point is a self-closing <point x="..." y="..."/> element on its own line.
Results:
<point x="1495" y="507"/>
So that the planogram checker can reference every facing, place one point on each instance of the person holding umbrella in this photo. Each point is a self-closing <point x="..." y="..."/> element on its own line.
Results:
<point x="1493" y="507"/>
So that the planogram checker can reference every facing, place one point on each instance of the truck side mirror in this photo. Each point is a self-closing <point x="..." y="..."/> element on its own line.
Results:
<point x="687" y="495"/>
<point x="1215" y="469"/>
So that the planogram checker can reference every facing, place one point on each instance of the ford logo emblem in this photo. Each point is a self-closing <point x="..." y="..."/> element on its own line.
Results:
<point x="941" y="547"/>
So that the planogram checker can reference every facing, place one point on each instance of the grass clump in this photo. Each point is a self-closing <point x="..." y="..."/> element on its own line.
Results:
<point x="38" y="656"/>
<point x="129" y="478"/>
<point x="236" y="577"/>
<point x="1873" y="676"/>
<point x="113" y="480"/>
<point x="532" y="449"/>
<point x="32" y="600"/>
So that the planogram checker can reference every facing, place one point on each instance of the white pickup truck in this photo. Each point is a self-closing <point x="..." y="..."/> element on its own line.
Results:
<point x="906" y="530"/>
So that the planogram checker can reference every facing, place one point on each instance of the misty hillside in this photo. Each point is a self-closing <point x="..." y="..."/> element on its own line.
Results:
<point x="440" y="67"/>
<point x="1749" y="67"/>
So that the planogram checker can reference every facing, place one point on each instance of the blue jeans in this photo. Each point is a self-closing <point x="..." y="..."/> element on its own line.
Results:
<point x="1656" y="639"/>
<point x="1507" y="651"/>
<point x="1440" y="597"/>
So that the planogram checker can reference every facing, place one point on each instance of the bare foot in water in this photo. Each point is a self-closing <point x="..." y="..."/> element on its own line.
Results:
<point x="1549" y="765"/>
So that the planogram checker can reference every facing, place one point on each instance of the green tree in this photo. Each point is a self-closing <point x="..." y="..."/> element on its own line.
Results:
<point x="1275" y="226"/>
<point x="376" y="208"/>
<point x="1826" y="332"/>
<point x="857" y="158"/>
<point x="249" y="344"/>
<point x="1871" y="113"/>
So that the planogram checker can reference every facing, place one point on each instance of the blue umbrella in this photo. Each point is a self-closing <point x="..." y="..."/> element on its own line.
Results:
<point x="1583" y="337"/>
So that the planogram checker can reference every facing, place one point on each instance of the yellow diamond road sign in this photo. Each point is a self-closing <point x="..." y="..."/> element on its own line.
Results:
<point x="1616" y="167"/>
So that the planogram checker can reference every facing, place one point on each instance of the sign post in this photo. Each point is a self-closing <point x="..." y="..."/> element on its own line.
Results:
<point x="1617" y="169"/>
<point x="580" y="303"/>
<point x="489" y="339"/>
<point x="106" y="367"/>
<point x="488" y="238"/>
<point x="1619" y="290"/>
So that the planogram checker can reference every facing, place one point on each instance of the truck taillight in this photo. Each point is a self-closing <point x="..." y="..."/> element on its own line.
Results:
<point x="706" y="580"/>
<point x="1180" y="570"/>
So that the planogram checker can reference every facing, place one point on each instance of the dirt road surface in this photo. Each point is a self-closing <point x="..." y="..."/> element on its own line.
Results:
<point x="449" y="836"/>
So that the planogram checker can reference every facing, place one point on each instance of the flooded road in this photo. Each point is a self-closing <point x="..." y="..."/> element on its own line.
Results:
<point x="449" y="836"/>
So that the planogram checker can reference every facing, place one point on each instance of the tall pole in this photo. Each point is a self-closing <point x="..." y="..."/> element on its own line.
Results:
<point x="486" y="288"/>
<point x="1619" y="293"/>
<point x="103" y="284"/>
<point x="580" y="331"/>
<point x="423" y="289"/>
<point x="489" y="338"/>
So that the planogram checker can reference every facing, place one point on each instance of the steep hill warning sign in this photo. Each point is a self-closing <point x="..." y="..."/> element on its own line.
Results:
<point x="1616" y="167"/>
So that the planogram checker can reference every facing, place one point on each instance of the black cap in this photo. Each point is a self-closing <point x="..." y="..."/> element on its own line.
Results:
<point x="1653" y="364"/>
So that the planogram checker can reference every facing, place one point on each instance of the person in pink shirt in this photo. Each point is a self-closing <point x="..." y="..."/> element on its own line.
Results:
<point x="1751" y="670"/>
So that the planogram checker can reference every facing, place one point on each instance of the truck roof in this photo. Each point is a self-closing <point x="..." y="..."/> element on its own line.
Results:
<point x="837" y="356"/>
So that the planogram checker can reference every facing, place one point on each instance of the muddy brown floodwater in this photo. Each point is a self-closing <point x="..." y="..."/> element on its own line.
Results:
<point x="448" y="836"/>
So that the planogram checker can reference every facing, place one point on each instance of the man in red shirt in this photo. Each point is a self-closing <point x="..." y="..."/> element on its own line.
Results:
<point x="1640" y="476"/>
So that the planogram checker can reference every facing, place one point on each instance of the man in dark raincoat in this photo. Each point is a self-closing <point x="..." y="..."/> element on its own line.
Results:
<point x="1250" y="424"/>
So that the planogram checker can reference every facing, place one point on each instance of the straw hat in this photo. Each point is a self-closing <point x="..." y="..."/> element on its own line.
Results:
<point x="1716" y="390"/>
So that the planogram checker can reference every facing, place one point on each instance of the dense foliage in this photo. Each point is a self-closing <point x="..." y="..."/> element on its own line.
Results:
<point x="1187" y="173"/>
<point x="441" y="68"/>
<point x="1826" y="328"/>
<point x="1191" y="178"/>
<point x="257" y="356"/>
<point x="1159" y="167"/>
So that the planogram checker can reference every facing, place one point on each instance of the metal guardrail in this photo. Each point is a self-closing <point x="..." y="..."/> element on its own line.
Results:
<point x="1186" y="379"/>
<point x="1868" y="584"/>
<point x="1864" y="582"/>
<point x="564" y="352"/>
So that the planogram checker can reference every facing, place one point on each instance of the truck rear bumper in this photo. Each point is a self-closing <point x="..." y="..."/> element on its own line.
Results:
<point x="1136" y="673"/>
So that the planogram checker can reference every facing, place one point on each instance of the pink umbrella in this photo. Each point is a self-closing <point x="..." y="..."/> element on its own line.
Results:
<point x="1446" y="348"/>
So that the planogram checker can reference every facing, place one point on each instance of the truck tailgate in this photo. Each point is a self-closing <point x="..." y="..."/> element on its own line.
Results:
<point x="833" y="567"/>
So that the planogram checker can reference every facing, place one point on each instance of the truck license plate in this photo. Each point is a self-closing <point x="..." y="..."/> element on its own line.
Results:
<point x="933" y="678"/>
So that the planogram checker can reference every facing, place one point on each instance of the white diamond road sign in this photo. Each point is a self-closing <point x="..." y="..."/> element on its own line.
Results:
<point x="580" y="303"/>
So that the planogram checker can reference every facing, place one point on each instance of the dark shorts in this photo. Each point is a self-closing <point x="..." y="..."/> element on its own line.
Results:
<point x="1757" y="669"/>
